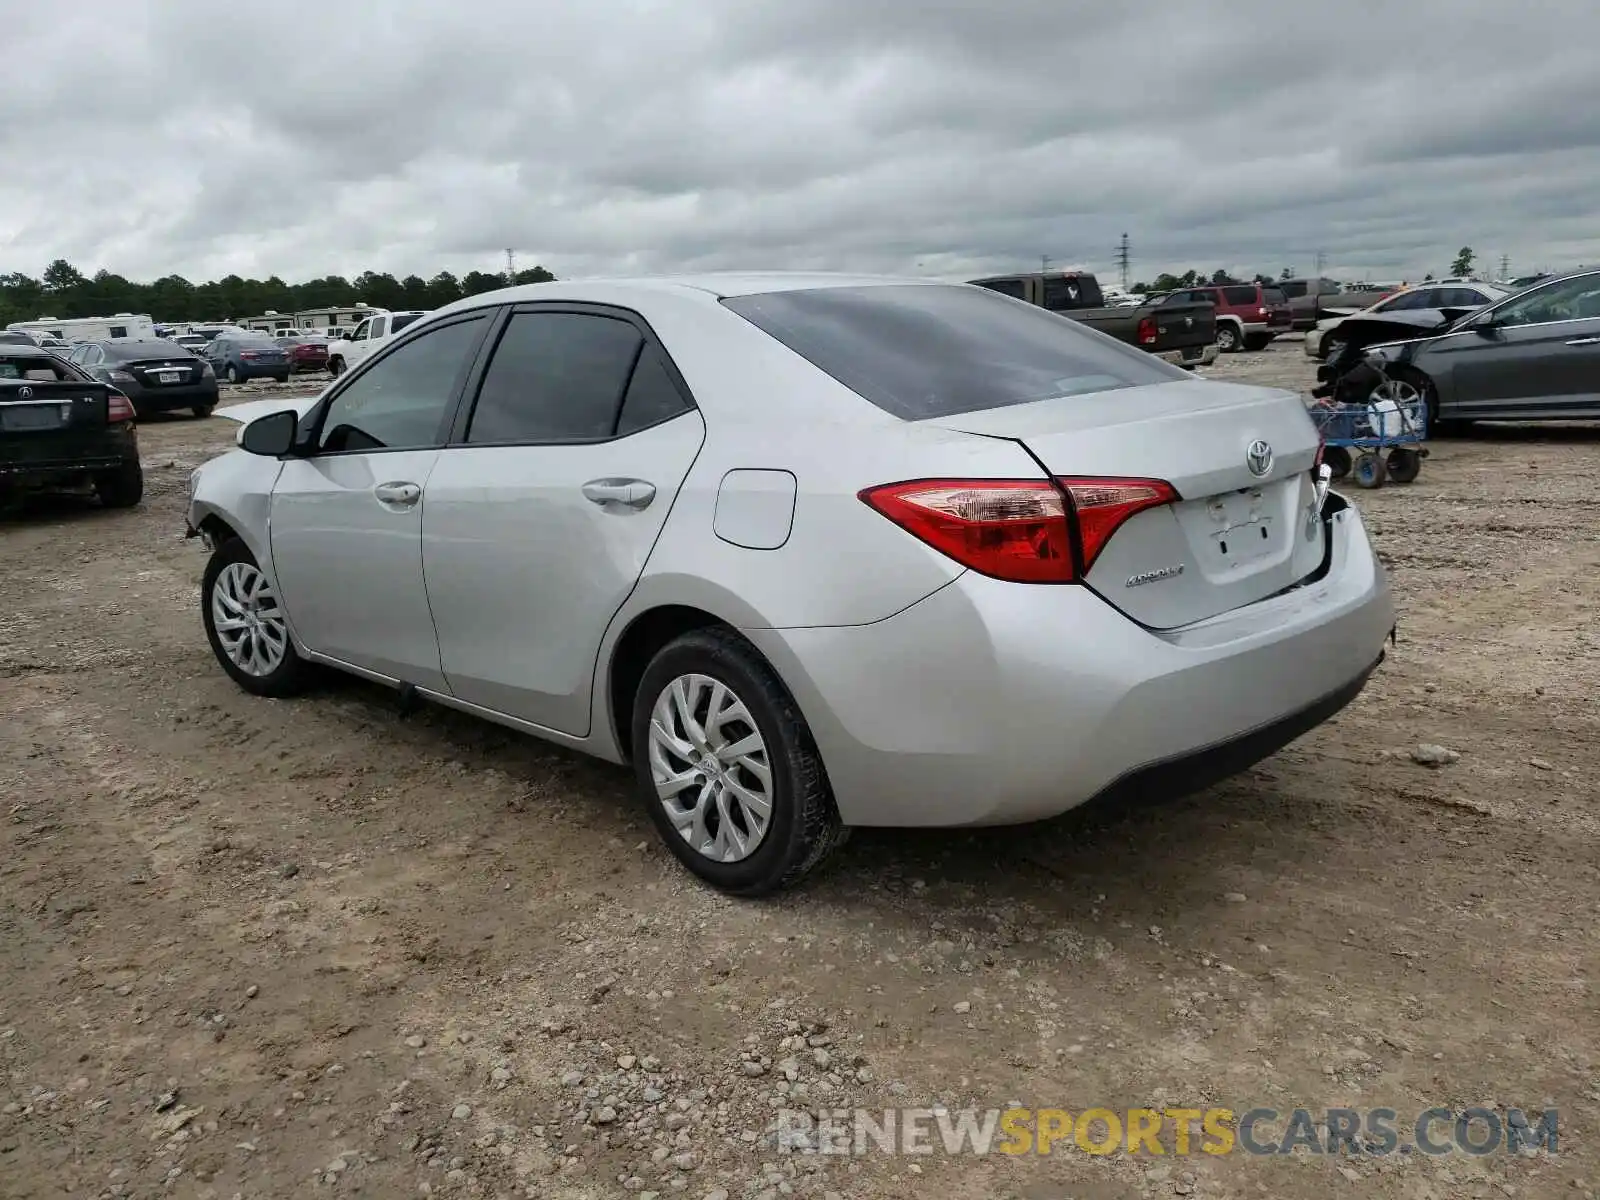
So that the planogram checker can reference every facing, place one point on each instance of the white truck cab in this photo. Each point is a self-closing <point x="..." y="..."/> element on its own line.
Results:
<point x="368" y="336"/>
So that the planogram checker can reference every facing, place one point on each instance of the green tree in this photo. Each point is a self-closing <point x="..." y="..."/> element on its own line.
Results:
<point x="477" y="282"/>
<point x="1463" y="262"/>
<point x="535" y="274"/>
<point x="62" y="276"/>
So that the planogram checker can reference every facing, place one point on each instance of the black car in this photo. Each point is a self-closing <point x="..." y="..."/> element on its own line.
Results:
<point x="60" y="427"/>
<point x="156" y="376"/>
<point x="1534" y="356"/>
<point x="241" y="356"/>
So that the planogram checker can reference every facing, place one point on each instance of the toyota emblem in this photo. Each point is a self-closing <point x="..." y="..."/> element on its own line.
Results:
<point x="25" y="393"/>
<point x="1258" y="457"/>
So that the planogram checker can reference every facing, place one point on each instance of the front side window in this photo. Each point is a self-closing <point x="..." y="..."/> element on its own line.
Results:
<point x="1565" y="300"/>
<point x="399" y="402"/>
<point x="933" y="350"/>
<point x="360" y="335"/>
<point x="555" y="377"/>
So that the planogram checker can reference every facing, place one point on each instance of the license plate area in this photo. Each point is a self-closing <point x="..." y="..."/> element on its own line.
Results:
<point x="1240" y="532"/>
<point x="168" y="376"/>
<point x="19" y="418"/>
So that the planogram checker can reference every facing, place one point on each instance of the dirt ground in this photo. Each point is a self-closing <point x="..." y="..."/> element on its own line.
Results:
<point x="268" y="949"/>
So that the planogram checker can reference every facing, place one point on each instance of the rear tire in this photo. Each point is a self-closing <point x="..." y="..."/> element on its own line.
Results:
<point x="232" y="570"/>
<point x="1331" y="349"/>
<point x="202" y="410"/>
<point x="1257" y="342"/>
<point x="1369" y="471"/>
<point x="1337" y="459"/>
<point x="687" y="678"/>
<point x="1403" y="465"/>
<point x="122" y="487"/>
<point x="1228" y="339"/>
<point x="231" y="373"/>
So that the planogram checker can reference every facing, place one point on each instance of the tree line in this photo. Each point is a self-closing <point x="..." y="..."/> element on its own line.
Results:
<point x="63" y="291"/>
<point x="1463" y="266"/>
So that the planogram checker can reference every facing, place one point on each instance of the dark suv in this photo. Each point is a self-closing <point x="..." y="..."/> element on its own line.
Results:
<point x="156" y="376"/>
<point x="1249" y="315"/>
<point x="241" y="356"/>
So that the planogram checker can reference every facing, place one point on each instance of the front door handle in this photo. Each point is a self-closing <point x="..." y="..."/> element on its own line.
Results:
<point x="1594" y="341"/>
<point x="623" y="493"/>
<point x="402" y="494"/>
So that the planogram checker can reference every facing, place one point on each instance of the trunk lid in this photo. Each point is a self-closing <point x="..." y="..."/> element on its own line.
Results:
<point x="1233" y="537"/>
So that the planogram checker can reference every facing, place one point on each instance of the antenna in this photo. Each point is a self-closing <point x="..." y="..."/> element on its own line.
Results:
<point x="1122" y="260"/>
<point x="511" y="265"/>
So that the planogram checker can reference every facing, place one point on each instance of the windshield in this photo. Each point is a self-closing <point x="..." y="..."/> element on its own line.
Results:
<point x="933" y="350"/>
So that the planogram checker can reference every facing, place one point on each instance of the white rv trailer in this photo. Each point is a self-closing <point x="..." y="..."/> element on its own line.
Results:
<point x="91" y="329"/>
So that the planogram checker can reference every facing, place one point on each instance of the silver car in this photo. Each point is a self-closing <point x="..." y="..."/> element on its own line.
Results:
<point x="808" y="552"/>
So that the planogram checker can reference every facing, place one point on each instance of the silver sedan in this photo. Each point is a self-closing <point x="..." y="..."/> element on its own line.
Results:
<point x="808" y="552"/>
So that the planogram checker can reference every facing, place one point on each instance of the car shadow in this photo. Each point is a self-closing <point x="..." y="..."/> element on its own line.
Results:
<point x="1143" y="860"/>
<point x="1506" y="431"/>
<point x="33" y="507"/>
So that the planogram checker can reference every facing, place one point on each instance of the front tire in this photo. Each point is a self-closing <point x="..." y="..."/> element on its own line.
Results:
<point x="122" y="487"/>
<point x="231" y="374"/>
<point x="246" y="625"/>
<point x="727" y="768"/>
<point x="202" y="410"/>
<point x="336" y="367"/>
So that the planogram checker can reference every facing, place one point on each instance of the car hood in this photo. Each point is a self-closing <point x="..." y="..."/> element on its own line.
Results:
<point x="251" y="409"/>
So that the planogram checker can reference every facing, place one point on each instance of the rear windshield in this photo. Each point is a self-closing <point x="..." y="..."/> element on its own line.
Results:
<point x="1273" y="296"/>
<point x="933" y="350"/>
<point x="128" y="351"/>
<point x="1240" y="295"/>
<point x="263" y="342"/>
<point x="42" y="368"/>
<point x="402" y="321"/>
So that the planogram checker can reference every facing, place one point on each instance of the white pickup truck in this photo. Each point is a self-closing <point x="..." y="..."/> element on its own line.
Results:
<point x="368" y="336"/>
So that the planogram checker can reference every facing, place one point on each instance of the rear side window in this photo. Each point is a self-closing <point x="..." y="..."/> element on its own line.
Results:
<point x="1066" y="294"/>
<point x="555" y="377"/>
<point x="1293" y="289"/>
<point x="1240" y="295"/>
<point x="1273" y="296"/>
<point x="933" y="350"/>
<point x="396" y="324"/>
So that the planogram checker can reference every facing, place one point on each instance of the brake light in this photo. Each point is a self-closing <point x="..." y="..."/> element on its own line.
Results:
<point x="1020" y="530"/>
<point x="1262" y="311"/>
<point x="248" y="354"/>
<point x="1147" y="332"/>
<point x="118" y="408"/>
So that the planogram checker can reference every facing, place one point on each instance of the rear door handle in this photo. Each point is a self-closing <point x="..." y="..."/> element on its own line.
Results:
<point x="402" y="494"/>
<point x="623" y="493"/>
<point x="1594" y="341"/>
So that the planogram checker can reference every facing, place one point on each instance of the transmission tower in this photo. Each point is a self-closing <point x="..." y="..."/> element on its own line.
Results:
<point x="1322" y="260"/>
<point x="1122" y="260"/>
<point x="511" y="265"/>
<point x="1505" y="266"/>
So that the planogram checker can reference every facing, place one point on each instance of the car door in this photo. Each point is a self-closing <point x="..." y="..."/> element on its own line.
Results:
<point x="1537" y="354"/>
<point x="539" y="517"/>
<point x="346" y="518"/>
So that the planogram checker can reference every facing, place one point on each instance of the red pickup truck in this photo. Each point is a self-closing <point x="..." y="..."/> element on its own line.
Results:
<point x="1248" y="315"/>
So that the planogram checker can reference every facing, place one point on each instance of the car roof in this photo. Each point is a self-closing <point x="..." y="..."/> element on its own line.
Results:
<point x="712" y="286"/>
<point x="18" y="350"/>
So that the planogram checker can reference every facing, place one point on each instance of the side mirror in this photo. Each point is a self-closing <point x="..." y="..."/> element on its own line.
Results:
<point x="345" y="337"/>
<point x="271" y="436"/>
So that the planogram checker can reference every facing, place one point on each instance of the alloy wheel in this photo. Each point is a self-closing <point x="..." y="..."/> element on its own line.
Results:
<point x="248" y="619"/>
<point x="710" y="767"/>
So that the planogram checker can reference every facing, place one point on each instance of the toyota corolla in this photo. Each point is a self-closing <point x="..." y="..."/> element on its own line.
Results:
<point x="808" y="552"/>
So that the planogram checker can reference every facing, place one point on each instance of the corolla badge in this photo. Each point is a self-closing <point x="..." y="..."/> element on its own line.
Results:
<point x="1154" y="576"/>
<point x="1258" y="457"/>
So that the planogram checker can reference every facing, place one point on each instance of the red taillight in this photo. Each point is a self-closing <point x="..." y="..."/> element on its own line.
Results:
<point x="248" y="354"/>
<point x="1021" y="530"/>
<point x="1261" y="312"/>
<point x="118" y="408"/>
<point x="1148" y="334"/>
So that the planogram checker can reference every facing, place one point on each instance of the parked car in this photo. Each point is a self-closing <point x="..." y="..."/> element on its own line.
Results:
<point x="1534" y="356"/>
<point x="240" y="357"/>
<point x="194" y="343"/>
<point x="156" y="376"/>
<point x="1311" y="299"/>
<point x="54" y="344"/>
<point x="1248" y="315"/>
<point x="368" y="337"/>
<point x="307" y="352"/>
<point x="964" y="563"/>
<point x="15" y="337"/>
<point x="61" y="428"/>
<point x="1181" y="334"/>
<point x="1323" y="342"/>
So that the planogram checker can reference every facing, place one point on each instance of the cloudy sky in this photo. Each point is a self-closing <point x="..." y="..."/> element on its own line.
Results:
<point x="944" y="137"/>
